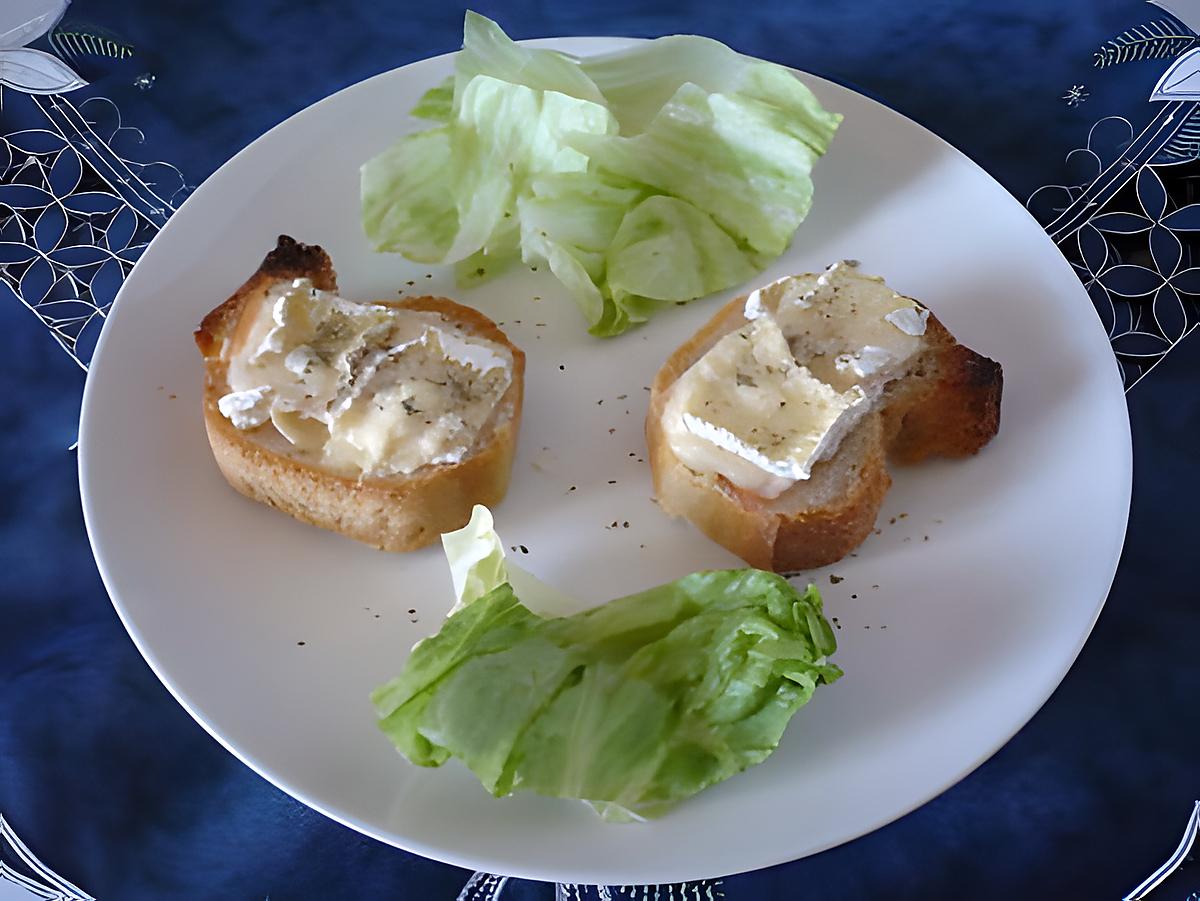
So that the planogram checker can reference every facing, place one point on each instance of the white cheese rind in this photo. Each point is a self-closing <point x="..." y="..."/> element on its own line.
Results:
<point x="835" y="339"/>
<point x="246" y="409"/>
<point x="910" y="320"/>
<point x="748" y="411"/>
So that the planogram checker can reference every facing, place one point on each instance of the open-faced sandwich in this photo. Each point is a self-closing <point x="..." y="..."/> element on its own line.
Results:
<point x="771" y="427"/>
<point x="384" y="421"/>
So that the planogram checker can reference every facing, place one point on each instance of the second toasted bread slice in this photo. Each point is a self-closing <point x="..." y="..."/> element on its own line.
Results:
<point x="943" y="399"/>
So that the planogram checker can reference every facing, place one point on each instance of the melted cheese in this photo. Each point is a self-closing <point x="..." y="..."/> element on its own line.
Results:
<point x="847" y="327"/>
<point x="364" y="388"/>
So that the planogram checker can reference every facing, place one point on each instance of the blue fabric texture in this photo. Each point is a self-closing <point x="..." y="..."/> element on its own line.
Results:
<point x="113" y="784"/>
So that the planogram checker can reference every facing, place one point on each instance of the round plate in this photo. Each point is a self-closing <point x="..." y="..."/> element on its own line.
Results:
<point x="956" y="619"/>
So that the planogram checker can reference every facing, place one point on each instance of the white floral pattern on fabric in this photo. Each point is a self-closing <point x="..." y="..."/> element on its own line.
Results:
<point x="1129" y="221"/>
<point x="488" y="887"/>
<point x="19" y="866"/>
<point x="75" y="215"/>
<point x="27" y="70"/>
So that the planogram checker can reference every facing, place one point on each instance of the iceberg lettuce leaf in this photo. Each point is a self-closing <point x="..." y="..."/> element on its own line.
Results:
<point x="632" y="706"/>
<point x="661" y="173"/>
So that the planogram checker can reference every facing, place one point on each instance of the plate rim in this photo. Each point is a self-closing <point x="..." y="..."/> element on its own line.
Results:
<point x="547" y="873"/>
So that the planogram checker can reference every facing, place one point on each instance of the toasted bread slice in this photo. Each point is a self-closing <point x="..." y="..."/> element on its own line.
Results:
<point x="946" y="405"/>
<point x="394" y="513"/>
<point x="946" y="402"/>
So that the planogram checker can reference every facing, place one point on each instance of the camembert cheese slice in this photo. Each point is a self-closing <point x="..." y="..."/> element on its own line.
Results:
<point x="749" y="411"/>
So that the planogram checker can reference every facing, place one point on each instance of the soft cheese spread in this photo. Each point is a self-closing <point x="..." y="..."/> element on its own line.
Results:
<point x="365" y="389"/>
<point x="748" y="410"/>
<point x="770" y="400"/>
<point x="847" y="327"/>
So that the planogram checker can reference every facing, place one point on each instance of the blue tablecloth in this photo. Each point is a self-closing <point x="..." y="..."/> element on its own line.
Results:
<point x="112" y="784"/>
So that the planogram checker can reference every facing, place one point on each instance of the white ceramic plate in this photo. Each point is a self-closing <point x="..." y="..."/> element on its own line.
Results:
<point x="955" y="623"/>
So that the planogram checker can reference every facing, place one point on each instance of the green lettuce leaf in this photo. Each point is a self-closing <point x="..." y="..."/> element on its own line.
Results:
<point x="638" y="82"/>
<point x="506" y="134"/>
<point x="487" y="50"/>
<point x="476" y="558"/>
<point x="477" y="563"/>
<point x="728" y="155"/>
<point x="436" y="104"/>
<point x="424" y="225"/>
<point x="668" y="249"/>
<point x="449" y="195"/>
<point x="662" y="173"/>
<point x="568" y="223"/>
<point x="632" y="706"/>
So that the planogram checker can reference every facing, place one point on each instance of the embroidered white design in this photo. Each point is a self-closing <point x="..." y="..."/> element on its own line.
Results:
<point x="1076" y="94"/>
<point x="25" y="69"/>
<point x="21" y="867"/>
